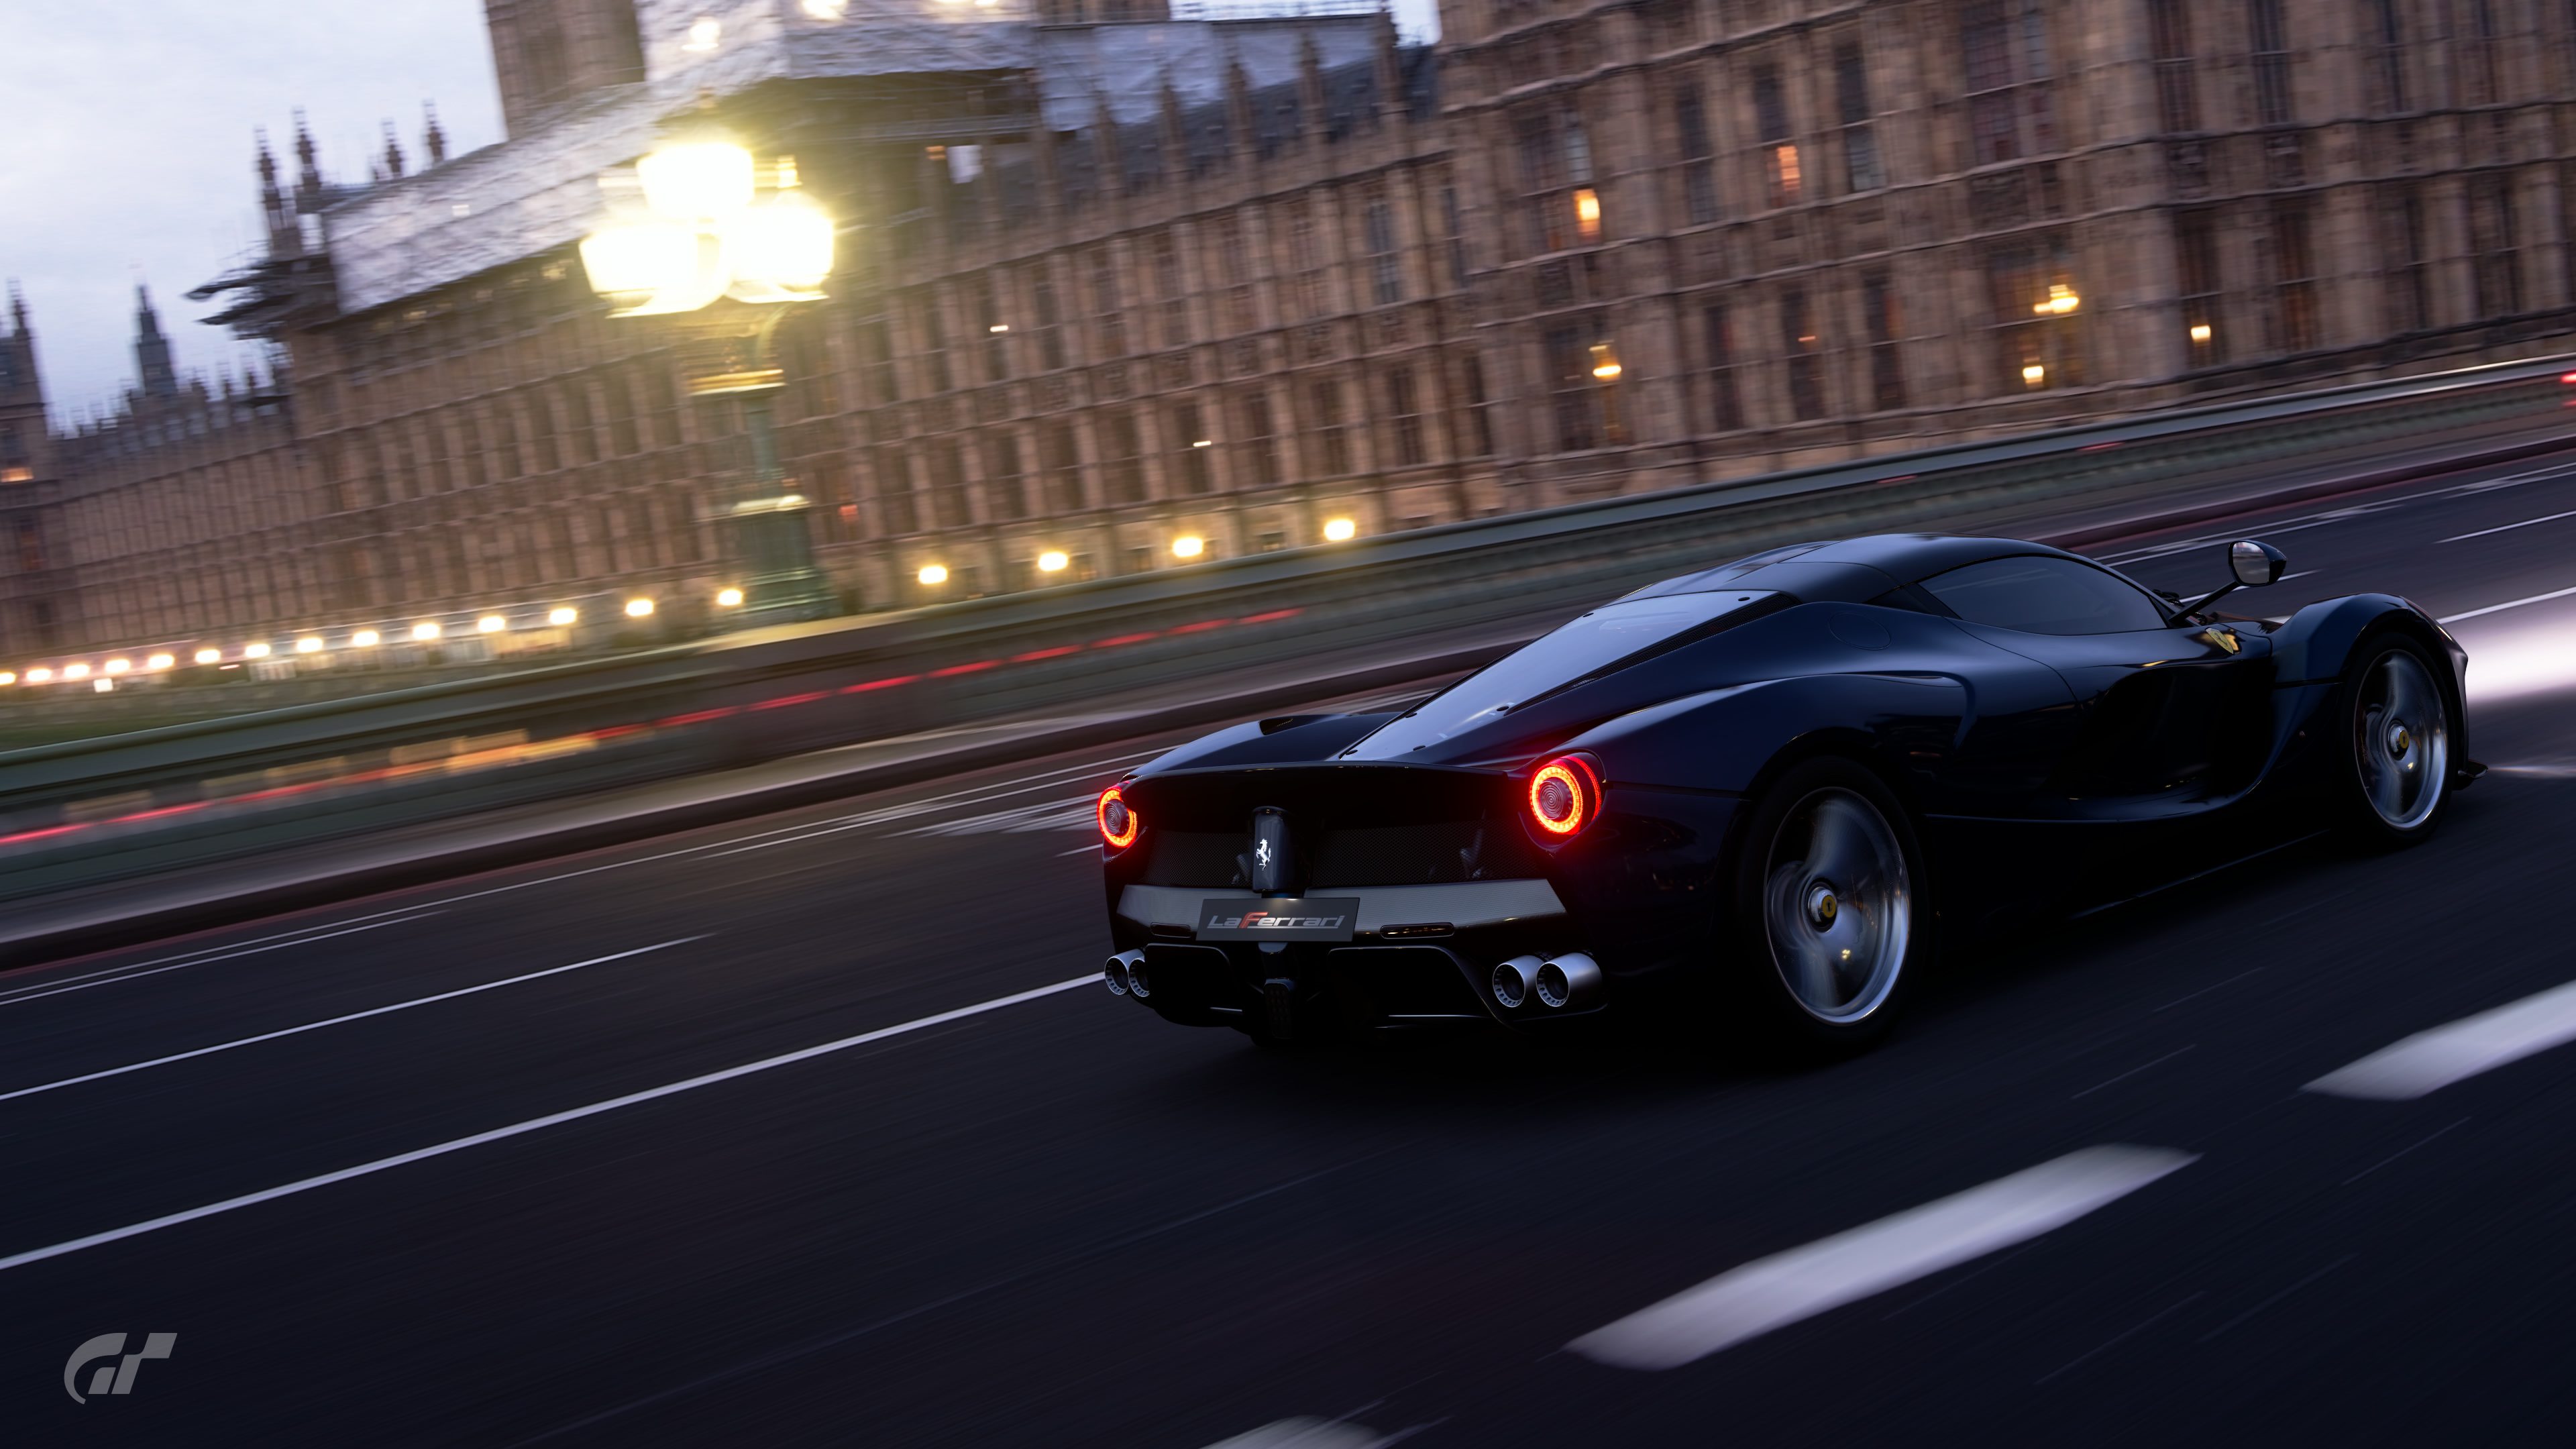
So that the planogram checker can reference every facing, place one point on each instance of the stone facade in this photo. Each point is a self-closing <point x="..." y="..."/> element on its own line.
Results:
<point x="1582" y="248"/>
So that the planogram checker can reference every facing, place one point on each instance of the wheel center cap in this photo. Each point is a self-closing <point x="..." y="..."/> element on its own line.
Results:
<point x="2400" y="739"/>
<point x="1821" y="905"/>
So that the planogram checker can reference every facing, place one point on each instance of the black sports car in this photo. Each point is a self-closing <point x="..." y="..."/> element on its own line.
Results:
<point x="1776" y="785"/>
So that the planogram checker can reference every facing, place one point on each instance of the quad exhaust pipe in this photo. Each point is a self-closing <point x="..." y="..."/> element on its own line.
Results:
<point x="1125" y="975"/>
<point x="1573" y="979"/>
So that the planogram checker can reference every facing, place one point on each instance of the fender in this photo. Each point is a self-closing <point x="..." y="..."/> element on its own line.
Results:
<point x="2315" y="644"/>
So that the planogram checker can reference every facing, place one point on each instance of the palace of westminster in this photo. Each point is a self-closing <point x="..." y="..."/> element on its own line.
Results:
<point x="1110" y="281"/>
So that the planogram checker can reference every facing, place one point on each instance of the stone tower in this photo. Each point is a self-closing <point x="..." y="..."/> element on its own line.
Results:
<point x="547" y="52"/>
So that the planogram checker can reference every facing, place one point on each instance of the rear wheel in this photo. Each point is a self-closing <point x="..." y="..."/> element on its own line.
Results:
<point x="2397" y="724"/>
<point x="1831" y="909"/>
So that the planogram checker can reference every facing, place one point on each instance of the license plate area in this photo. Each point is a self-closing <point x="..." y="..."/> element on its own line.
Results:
<point x="1279" y="918"/>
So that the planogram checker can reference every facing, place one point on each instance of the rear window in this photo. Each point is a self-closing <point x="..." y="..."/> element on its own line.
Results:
<point x="1589" y="645"/>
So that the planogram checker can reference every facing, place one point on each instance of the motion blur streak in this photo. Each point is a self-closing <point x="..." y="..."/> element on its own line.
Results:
<point x="2431" y="1060"/>
<point x="339" y="1020"/>
<point x="1772" y="1292"/>
<point x="533" y="1124"/>
<point x="114" y="975"/>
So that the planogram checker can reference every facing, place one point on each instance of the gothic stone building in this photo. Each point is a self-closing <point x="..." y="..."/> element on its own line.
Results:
<point x="1109" y="280"/>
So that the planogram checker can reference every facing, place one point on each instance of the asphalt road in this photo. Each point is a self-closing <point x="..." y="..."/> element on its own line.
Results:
<point x="783" y="1132"/>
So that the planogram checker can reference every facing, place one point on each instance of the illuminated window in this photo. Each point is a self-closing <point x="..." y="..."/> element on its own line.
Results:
<point x="2039" y="317"/>
<point x="1802" y="349"/>
<point x="1587" y="214"/>
<point x="1782" y="177"/>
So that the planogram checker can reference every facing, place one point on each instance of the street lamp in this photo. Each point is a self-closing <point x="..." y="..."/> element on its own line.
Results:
<point x="717" y="226"/>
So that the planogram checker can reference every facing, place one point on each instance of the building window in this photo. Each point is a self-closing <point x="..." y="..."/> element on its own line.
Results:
<point x="2384" y="46"/>
<point x="1190" y="445"/>
<point x="1480" y="423"/>
<point x="1862" y="169"/>
<point x="2196" y="269"/>
<point x="1699" y="157"/>
<point x="1583" y="374"/>
<point x="1457" y="237"/>
<point x="1050" y="319"/>
<point x="1306" y="259"/>
<point x="2037" y="310"/>
<point x="894" y="496"/>
<point x="1005" y="494"/>
<point x="1109" y="314"/>
<point x="947" y="485"/>
<point x="2493" y="245"/>
<point x="1175" y="290"/>
<point x="1404" y="406"/>
<point x="1781" y="177"/>
<point x="1225" y="242"/>
<point x="1886" y="364"/>
<point x="1556" y="181"/>
<point x="991" y="326"/>
<point x="1726" y="405"/>
<point x="1324" y="416"/>
<point x="2011" y="113"/>
<point x="2177" y="93"/>
<point x="2477" y="53"/>
<point x="1061" y="456"/>
<point x="1803" y="350"/>
<point x="1258" y="449"/>
<point x="934" y="343"/>
<point x="2271" y="62"/>
<point x="1386" y="266"/>
<point x="876" y="362"/>
<point x="2402" y="240"/>
<point x="1122" y="465"/>
<point x="2294" y="287"/>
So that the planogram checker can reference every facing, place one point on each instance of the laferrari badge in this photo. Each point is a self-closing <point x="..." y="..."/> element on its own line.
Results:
<point x="2223" y="638"/>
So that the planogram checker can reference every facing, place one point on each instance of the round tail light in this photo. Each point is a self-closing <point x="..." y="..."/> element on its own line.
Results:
<point x="1118" y="822"/>
<point x="1564" y="795"/>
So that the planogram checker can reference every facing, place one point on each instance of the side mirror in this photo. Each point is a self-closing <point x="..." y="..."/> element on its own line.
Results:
<point x="2256" y="564"/>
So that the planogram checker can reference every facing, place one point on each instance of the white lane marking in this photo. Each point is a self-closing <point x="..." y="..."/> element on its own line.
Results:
<point x="1305" y="1434"/>
<point x="533" y="1124"/>
<point x="2510" y="527"/>
<point x="2508" y="604"/>
<point x="2539" y="772"/>
<point x="1074" y="814"/>
<point x="2431" y="1060"/>
<point x="338" y="1020"/>
<point x="2298" y="522"/>
<point x="1779" y="1290"/>
<point x="41" y="990"/>
<point x="347" y="925"/>
<point x="1083" y="849"/>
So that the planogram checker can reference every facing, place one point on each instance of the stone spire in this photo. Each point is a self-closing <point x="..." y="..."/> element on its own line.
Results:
<point x="434" y="140"/>
<point x="308" y="169"/>
<point x="151" y="349"/>
<point x="273" y="207"/>
<point x="393" y="162"/>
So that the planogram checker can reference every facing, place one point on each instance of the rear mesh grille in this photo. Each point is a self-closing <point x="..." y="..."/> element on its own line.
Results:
<point x="1428" y="854"/>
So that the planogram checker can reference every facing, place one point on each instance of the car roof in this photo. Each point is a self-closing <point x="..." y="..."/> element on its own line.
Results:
<point x="1850" y="569"/>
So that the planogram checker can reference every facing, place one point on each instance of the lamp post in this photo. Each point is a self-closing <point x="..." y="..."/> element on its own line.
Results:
<point x="715" y="226"/>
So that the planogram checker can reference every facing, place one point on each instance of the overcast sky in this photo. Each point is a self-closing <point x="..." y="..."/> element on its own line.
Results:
<point x="127" y="150"/>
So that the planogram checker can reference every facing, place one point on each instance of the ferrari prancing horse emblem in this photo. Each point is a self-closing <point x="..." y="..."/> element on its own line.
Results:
<point x="2224" y="638"/>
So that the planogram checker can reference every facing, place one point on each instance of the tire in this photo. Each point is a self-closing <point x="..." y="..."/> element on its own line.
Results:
<point x="1798" y="917"/>
<point x="2395" y="725"/>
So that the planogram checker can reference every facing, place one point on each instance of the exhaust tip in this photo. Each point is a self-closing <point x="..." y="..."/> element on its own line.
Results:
<point x="1511" y="981"/>
<point x="1119" y="975"/>
<point x="1573" y="979"/>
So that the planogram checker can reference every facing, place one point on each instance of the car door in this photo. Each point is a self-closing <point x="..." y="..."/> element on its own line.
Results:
<point x="2174" y="716"/>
